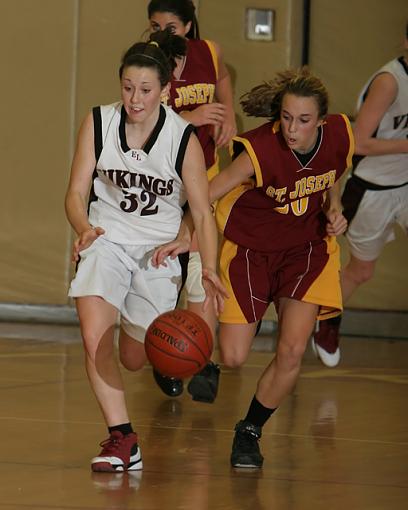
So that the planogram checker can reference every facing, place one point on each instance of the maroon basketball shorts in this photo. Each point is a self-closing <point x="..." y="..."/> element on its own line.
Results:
<point x="309" y="273"/>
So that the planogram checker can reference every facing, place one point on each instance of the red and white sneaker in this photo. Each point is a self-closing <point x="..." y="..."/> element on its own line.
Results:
<point x="119" y="453"/>
<point x="325" y="343"/>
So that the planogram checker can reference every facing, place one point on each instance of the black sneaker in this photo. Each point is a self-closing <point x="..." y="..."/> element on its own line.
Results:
<point x="171" y="386"/>
<point x="245" y="448"/>
<point x="203" y="387"/>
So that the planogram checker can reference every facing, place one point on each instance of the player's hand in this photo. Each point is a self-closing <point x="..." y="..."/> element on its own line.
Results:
<point x="225" y="132"/>
<point x="211" y="113"/>
<point x="215" y="292"/>
<point x="336" y="223"/>
<point x="84" y="240"/>
<point x="171" y="249"/>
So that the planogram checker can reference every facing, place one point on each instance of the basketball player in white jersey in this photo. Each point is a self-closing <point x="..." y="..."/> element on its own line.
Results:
<point x="375" y="198"/>
<point x="142" y="162"/>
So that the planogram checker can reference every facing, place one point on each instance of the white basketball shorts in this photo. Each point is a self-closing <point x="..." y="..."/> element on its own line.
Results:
<point x="374" y="222"/>
<point x="123" y="275"/>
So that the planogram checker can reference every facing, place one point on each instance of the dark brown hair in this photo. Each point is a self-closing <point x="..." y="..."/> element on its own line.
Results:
<point x="159" y="52"/>
<point x="183" y="9"/>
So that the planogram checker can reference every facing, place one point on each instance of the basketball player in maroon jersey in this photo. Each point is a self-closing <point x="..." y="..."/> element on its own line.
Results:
<point x="279" y="214"/>
<point x="201" y="93"/>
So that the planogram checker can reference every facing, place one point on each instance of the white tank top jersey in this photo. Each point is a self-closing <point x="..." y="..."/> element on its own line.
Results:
<point x="390" y="169"/>
<point x="137" y="195"/>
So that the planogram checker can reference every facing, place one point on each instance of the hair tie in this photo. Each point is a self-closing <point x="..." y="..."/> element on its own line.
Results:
<point x="154" y="43"/>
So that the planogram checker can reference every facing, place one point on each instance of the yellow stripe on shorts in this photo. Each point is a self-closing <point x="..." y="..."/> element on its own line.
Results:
<point x="232" y="313"/>
<point x="322" y="291"/>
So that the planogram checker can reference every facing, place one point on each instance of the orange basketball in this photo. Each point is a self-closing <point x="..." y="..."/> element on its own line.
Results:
<point x="178" y="343"/>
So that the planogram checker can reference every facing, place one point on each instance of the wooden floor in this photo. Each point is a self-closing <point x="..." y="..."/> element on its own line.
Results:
<point x="340" y="442"/>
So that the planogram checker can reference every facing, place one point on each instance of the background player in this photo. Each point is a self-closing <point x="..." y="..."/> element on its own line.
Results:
<point x="201" y="93"/>
<point x="375" y="198"/>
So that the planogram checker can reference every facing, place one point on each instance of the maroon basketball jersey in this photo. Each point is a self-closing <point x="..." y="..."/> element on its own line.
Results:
<point x="196" y="86"/>
<point x="282" y="205"/>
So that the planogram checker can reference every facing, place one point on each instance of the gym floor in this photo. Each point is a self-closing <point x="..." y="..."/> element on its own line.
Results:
<point x="340" y="441"/>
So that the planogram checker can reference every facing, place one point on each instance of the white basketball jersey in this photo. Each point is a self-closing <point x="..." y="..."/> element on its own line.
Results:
<point x="137" y="194"/>
<point x="389" y="169"/>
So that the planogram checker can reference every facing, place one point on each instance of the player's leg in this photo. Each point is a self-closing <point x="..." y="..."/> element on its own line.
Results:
<point x="296" y="322"/>
<point x="172" y="386"/>
<point x="371" y="215"/>
<point x="326" y="338"/>
<point x="203" y="387"/>
<point x="235" y="345"/>
<point x="153" y="291"/>
<point x="235" y="341"/>
<point x="101" y="285"/>
<point x="355" y="274"/>
<point x="208" y="315"/>
<point x="98" y="319"/>
<point x="132" y="353"/>
<point x="245" y="275"/>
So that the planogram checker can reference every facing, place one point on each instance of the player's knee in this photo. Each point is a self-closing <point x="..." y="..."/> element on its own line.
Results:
<point x="361" y="274"/>
<point x="233" y="358"/>
<point x="232" y="361"/>
<point x="132" y="353"/>
<point x="359" y="271"/>
<point x="96" y="347"/>
<point x="365" y="274"/>
<point x="289" y="354"/>
<point x="131" y="356"/>
<point x="131" y="363"/>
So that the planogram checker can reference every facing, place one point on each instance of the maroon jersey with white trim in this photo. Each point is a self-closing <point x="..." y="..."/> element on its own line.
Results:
<point x="195" y="87"/>
<point x="281" y="206"/>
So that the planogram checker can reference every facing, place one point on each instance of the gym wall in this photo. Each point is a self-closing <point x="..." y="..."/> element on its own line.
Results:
<point x="61" y="57"/>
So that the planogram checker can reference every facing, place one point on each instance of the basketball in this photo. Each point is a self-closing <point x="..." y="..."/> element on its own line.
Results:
<point x="178" y="343"/>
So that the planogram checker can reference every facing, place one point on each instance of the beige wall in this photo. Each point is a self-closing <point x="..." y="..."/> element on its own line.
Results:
<point x="349" y="41"/>
<point x="36" y="44"/>
<point x="252" y="61"/>
<point x="106" y="29"/>
<point x="60" y="58"/>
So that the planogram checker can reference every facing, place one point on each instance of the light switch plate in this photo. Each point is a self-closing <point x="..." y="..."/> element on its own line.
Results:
<point x="259" y="24"/>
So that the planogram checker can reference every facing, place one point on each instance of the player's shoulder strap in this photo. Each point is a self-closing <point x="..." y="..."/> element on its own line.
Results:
<point x="214" y="55"/>
<point x="183" y="147"/>
<point x="97" y="119"/>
